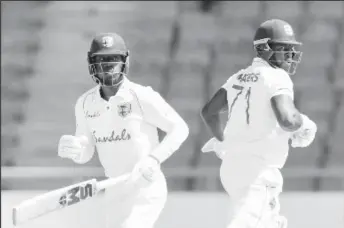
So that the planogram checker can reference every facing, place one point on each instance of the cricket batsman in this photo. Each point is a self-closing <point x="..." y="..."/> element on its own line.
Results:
<point x="119" y="119"/>
<point x="262" y="121"/>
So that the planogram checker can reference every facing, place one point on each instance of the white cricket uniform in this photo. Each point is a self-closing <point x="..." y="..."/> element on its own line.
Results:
<point x="256" y="146"/>
<point x="123" y="130"/>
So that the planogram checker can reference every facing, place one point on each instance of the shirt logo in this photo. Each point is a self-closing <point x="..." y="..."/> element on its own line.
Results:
<point x="124" y="109"/>
<point x="92" y="115"/>
<point x="123" y="136"/>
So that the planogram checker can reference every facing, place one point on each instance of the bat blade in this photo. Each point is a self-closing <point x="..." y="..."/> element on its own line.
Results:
<point x="61" y="198"/>
<point x="53" y="201"/>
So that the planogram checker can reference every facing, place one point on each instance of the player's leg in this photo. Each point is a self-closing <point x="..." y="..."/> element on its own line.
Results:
<point x="117" y="202"/>
<point x="147" y="205"/>
<point x="135" y="208"/>
<point x="270" y="216"/>
<point x="257" y="206"/>
<point x="273" y="180"/>
<point x="245" y="210"/>
<point x="254" y="210"/>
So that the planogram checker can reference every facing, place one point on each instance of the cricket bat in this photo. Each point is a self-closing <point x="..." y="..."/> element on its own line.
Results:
<point x="61" y="198"/>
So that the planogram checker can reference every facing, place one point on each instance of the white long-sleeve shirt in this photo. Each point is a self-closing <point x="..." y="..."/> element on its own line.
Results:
<point x="124" y="129"/>
<point x="252" y="127"/>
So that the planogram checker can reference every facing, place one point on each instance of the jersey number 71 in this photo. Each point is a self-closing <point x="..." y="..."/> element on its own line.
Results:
<point x="247" y="97"/>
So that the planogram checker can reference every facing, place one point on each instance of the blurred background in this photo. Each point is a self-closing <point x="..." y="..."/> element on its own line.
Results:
<point x="184" y="50"/>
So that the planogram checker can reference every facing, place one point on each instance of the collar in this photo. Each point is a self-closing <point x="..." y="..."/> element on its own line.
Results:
<point x="126" y="85"/>
<point x="257" y="61"/>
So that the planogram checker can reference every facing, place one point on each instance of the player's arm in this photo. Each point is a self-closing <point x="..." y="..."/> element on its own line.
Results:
<point x="82" y="130"/>
<point x="210" y="113"/>
<point x="282" y="103"/>
<point x="287" y="115"/>
<point x="302" y="129"/>
<point x="160" y="114"/>
<point x="79" y="147"/>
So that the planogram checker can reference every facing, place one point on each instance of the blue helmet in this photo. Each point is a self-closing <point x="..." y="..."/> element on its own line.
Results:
<point x="108" y="59"/>
<point x="275" y="42"/>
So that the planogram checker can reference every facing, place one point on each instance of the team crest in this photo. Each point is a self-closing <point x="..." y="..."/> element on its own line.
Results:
<point x="288" y="30"/>
<point x="107" y="41"/>
<point x="124" y="109"/>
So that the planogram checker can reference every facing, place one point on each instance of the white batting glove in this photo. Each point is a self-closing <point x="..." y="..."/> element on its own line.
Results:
<point x="145" y="171"/>
<point x="305" y="135"/>
<point x="72" y="147"/>
<point x="214" y="145"/>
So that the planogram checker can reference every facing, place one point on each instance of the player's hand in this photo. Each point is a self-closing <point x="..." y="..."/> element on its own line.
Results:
<point x="305" y="135"/>
<point x="214" y="145"/>
<point x="146" y="170"/>
<point x="72" y="147"/>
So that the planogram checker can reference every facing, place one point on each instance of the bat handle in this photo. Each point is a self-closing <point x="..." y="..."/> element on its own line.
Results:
<point x="112" y="181"/>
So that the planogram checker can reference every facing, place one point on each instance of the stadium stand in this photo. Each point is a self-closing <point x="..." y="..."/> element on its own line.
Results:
<point x="44" y="70"/>
<point x="19" y="45"/>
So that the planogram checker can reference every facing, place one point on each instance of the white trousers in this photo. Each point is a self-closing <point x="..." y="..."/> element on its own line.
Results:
<point x="130" y="207"/>
<point x="254" y="191"/>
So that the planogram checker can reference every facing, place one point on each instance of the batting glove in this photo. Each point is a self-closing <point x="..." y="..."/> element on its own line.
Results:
<point x="146" y="170"/>
<point x="72" y="147"/>
<point x="214" y="145"/>
<point x="305" y="135"/>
